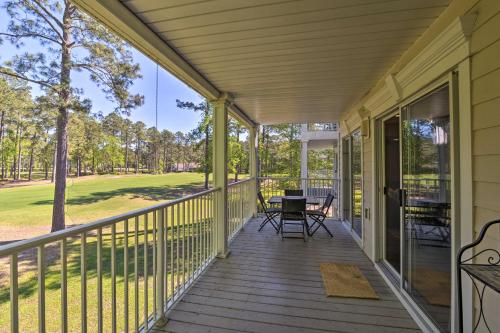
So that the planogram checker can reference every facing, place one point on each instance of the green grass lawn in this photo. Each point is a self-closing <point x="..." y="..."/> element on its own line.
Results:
<point x="26" y="210"/>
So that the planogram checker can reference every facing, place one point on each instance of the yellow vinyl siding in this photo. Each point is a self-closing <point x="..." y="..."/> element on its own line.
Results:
<point x="485" y="86"/>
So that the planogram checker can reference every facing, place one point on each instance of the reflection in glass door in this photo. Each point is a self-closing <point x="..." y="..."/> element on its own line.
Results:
<point x="356" y="185"/>
<point x="392" y="198"/>
<point x="352" y="196"/>
<point x="346" y="179"/>
<point x="427" y="204"/>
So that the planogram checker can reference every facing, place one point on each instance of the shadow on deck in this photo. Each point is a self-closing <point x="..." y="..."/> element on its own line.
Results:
<point x="270" y="285"/>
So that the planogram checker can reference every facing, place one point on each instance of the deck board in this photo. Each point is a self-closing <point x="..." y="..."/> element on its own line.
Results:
<point x="270" y="285"/>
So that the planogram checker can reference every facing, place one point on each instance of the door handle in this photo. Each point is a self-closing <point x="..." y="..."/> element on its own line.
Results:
<point x="402" y="197"/>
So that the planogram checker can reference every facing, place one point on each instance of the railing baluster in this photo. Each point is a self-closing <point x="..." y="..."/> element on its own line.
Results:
<point x="41" y="287"/>
<point x="172" y="287"/>
<point x="145" y="273"/>
<point x="154" y="264"/>
<point x="184" y="245"/>
<point x="99" y="282"/>
<point x="205" y="225"/>
<point x="177" y="271"/>
<point x="165" y="248"/>
<point x="136" y="273"/>
<point x="125" y="276"/>
<point x="198" y="236"/>
<point x="113" y="278"/>
<point x="83" y="277"/>
<point x="192" y="240"/>
<point x="64" y="286"/>
<point x="14" y="295"/>
<point x="160" y="307"/>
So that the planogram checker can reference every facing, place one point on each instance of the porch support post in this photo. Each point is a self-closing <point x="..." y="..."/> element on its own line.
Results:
<point x="253" y="146"/>
<point x="220" y="109"/>
<point x="303" y="166"/>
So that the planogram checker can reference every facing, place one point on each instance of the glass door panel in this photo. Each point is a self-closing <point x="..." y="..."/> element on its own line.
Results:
<point x="392" y="185"/>
<point x="356" y="190"/>
<point x="346" y="175"/>
<point x="427" y="203"/>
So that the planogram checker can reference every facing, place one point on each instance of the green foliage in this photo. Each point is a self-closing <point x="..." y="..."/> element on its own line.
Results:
<point x="279" y="150"/>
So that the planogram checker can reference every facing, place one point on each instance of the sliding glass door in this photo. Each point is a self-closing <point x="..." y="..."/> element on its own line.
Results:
<point x="392" y="192"/>
<point x="352" y="182"/>
<point x="356" y="189"/>
<point x="426" y="175"/>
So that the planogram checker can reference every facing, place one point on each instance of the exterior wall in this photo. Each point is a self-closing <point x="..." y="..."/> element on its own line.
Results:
<point x="482" y="50"/>
<point x="485" y="97"/>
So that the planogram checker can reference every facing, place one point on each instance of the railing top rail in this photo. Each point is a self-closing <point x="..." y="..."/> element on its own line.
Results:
<point x="240" y="181"/>
<point x="30" y="243"/>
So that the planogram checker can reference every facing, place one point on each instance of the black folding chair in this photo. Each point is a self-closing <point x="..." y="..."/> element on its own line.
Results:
<point x="294" y="193"/>
<point x="294" y="210"/>
<point x="319" y="216"/>
<point x="271" y="213"/>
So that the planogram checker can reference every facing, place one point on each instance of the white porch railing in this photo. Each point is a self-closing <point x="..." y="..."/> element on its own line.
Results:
<point x="239" y="205"/>
<point x="165" y="248"/>
<point x="317" y="187"/>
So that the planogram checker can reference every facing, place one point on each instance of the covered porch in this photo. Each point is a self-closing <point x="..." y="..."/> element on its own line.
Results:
<point x="197" y="264"/>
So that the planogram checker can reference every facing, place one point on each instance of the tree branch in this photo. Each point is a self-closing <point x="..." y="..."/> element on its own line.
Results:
<point x="49" y="22"/>
<point x="30" y="35"/>
<point x="48" y="13"/>
<point x="8" y="72"/>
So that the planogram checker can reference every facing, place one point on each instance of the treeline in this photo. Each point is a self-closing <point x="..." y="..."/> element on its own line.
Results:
<point x="102" y="144"/>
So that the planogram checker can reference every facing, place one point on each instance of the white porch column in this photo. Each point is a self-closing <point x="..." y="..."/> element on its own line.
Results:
<point x="303" y="160"/>
<point x="303" y="166"/>
<point x="253" y="155"/>
<point x="220" y="171"/>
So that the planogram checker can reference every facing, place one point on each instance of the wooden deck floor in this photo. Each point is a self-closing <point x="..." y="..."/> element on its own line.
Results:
<point x="270" y="285"/>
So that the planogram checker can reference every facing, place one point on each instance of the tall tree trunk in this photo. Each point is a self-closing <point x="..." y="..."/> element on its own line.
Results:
<point x="206" y="157"/>
<point x="265" y="137"/>
<point x="78" y="166"/>
<point x="238" y="166"/>
<point x="32" y="157"/>
<point x="2" y="124"/>
<point x="54" y="162"/>
<point x="19" y="156"/>
<point x="58" y="218"/>
<point x="126" y="152"/>
<point x="137" y="152"/>
<point x="15" y="159"/>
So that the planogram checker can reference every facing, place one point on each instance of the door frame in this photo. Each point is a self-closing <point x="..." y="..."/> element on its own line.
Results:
<point x="451" y="79"/>
<point x="381" y="175"/>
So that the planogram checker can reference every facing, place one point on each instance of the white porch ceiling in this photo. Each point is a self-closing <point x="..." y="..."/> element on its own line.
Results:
<point x="290" y="60"/>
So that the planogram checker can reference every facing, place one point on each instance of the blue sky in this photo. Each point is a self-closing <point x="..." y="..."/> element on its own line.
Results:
<point x="169" y="89"/>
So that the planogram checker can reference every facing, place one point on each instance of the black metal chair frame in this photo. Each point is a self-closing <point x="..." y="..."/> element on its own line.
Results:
<point x="294" y="193"/>
<point x="319" y="216"/>
<point x="294" y="210"/>
<point x="270" y="214"/>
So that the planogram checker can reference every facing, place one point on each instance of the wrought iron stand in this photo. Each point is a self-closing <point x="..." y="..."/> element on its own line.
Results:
<point x="488" y="274"/>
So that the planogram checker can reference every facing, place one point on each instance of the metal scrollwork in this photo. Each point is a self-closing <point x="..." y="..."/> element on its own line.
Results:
<point x="492" y="259"/>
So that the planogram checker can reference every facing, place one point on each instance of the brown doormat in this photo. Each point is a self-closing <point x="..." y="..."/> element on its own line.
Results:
<point x="434" y="286"/>
<point x="343" y="280"/>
